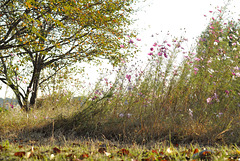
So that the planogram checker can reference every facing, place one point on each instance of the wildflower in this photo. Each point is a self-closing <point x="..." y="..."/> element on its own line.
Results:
<point x="211" y="27"/>
<point x="138" y="39"/>
<point x="155" y="44"/>
<point x="197" y="59"/>
<point x="215" y="43"/>
<point x="169" y="45"/>
<point x="129" y="115"/>
<point x="196" y="69"/>
<point x="130" y="41"/>
<point x="151" y="49"/>
<point x="209" y="100"/>
<point x="227" y="92"/>
<point x="122" y="46"/>
<point x="121" y="115"/>
<point x="237" y="74"/>
<point x="159" y="54"/>
<point x="234" y="44"/>
<point x="190" y="112"/>
<point x="165" y="55"/>
<point x="150" y="54"/>
<point x="128" y="77"/>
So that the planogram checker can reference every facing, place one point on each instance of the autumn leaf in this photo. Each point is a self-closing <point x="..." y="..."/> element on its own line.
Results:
<point x="84" y="155"/>
<point x="56" y="150"/>
<point x="122" y="152"/>
<point x="196" y="151"/>
<point x="20" y="154"/>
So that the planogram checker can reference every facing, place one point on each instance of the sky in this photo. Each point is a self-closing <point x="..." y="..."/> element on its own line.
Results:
<point x="166" y="16"/>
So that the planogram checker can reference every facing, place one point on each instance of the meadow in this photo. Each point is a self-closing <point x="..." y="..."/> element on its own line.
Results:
<point x="164" y="111"/>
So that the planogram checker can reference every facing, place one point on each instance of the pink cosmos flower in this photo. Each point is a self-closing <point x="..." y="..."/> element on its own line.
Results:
<point x="211" y="27"/>
<point x="209" y="100"/>
<point x="197" y="59"/>
<point x="130" y="41"/>
<point x="227" y="92"/>
<point x="165" y="55"/>
<point x="150" y="54"/>
<point x="128" y="77"/>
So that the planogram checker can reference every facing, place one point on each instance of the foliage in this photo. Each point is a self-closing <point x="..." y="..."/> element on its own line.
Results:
<point x="38" y="39"/>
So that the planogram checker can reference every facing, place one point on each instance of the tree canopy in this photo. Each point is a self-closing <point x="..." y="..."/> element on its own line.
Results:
<point x="49" y="35"/>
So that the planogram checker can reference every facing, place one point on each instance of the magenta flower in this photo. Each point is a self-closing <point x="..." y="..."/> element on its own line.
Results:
<point x="165" y="55"/>
<point x="150" y="54"/>
<point x="151" y="49"/>
<point x="138" y="39"/>
<point x="169" y="45"/>
<point x="155" y="44"/>
<point x="227" y="92"/>
<point x="131" y="41"/>
<point x="122" y="46"/>
<point x="128" y="77"/>
<point x="197" y="59"/>
<point x="196" y="69"/>
<point x="159" y="54"/>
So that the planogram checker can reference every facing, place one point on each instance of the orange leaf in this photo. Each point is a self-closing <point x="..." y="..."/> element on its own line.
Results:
<point x="196" y="151"/>
<point x="20" y="154"/>
<point x="154" y="151"/>
<point x="56" y="150"/>
<point x="123" y="152"/>
<point x="84" y="155"/>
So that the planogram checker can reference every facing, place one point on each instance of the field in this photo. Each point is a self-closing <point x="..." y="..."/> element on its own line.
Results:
<point x="164" y="111"/>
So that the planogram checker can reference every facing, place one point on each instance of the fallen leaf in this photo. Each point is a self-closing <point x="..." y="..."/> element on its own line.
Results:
<point x="84" y="155"/>
<point x="123" y="152"/>
<point x="56" y="150"/>
<point x="20" y="154"/>
<point x="155" y="151"/>
<point x="196" y="151"/>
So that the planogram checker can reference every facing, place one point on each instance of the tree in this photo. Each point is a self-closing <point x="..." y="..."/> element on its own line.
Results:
<point x="50" y="35"/>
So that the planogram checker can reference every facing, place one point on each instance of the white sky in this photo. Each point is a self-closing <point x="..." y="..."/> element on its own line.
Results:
<point x="168" y="15"/>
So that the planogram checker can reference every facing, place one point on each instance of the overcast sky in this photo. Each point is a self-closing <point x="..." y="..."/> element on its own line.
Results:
<point x="169" y="15"/>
